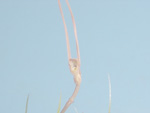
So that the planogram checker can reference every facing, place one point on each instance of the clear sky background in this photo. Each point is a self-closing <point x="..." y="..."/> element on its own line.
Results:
<point x="114" y="38"/>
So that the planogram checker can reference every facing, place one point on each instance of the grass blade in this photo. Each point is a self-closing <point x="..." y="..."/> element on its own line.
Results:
<point x="59" y="106"/>
<point x="27" y="104"/>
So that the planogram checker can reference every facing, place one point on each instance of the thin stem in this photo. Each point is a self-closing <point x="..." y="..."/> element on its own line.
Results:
<point x="75" y="31"/>
<point x="76" y="73"/>
<point x="66" y="32"/>
<point x="71" y="99"/>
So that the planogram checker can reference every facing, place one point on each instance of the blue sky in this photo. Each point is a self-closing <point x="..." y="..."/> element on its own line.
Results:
<point x="114" y="38"/>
